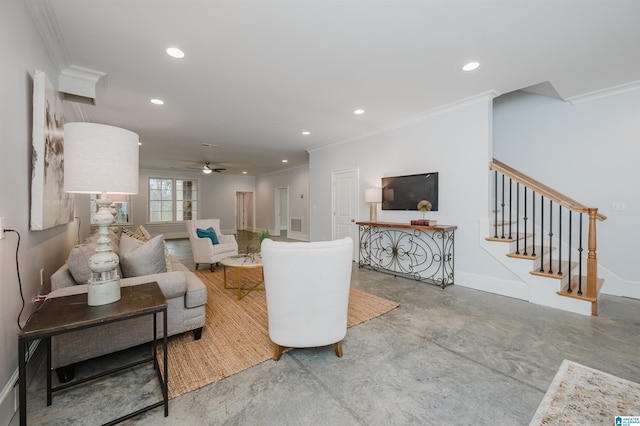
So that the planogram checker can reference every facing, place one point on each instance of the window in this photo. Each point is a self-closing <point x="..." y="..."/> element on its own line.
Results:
<point x="172" y="200"/>
<point x="121" y="208"/>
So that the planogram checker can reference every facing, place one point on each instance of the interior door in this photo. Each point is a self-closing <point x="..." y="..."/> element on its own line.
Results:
<point x="244" y="211"/>
<point x="345" y="206"/>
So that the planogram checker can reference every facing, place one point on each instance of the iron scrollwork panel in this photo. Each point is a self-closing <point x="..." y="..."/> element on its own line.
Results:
<point x="421" y="255"/>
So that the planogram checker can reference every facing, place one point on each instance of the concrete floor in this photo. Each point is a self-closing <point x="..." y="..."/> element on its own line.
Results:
<point x="452" y="356"/>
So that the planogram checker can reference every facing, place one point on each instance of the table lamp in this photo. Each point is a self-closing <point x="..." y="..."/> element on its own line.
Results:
<point x="101" y="159"/>
<point x="373" y="196"/>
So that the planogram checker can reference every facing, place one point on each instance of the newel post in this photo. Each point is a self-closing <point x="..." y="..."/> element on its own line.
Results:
<point x="592" y="260"/>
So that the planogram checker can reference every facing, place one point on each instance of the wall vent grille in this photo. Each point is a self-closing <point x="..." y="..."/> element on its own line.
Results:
<point x="296" y="224"/>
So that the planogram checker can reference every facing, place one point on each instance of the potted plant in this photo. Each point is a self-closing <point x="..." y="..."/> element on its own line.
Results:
<point x="263" y="236"/>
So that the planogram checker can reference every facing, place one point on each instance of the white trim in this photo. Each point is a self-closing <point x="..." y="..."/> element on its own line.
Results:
<point x="514" y="289"/>
<point x="9" y="395"/>
<point x="9" y="399"/>
<point x="282" y="170"/>
<point x="604" y="93"/>
<point x="462" y="103"/>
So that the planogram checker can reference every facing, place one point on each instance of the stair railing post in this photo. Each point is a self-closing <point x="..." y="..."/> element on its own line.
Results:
<point x="592" y="260"/>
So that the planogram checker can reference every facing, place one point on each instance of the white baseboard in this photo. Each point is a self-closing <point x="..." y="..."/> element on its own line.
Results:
<point x="9" y="400"/>
<point x="515" y="289"/>
<point x="175" y="235"/>
<point x="298" y="236"/>
<point x="616" y="286"/>
<point x="9" y="394"/>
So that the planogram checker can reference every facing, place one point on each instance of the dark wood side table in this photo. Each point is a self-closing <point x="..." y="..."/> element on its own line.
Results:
<point x="61" y="315"/>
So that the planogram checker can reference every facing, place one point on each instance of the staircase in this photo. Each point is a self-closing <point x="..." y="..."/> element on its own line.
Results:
<point x="541" y="235"/>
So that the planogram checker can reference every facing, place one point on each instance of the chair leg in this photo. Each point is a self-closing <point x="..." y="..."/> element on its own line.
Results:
<point x="277" y="352"/>
<point x="338" y="348"/>
<point x="213" y="267"/>
<point x="197" y="264"/>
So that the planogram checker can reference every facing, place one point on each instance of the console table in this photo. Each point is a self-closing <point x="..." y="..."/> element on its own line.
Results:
<point x="63" y="314"/>
<point x="424" y="253"/>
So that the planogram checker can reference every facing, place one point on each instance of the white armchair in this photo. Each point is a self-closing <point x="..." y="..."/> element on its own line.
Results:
<point x="204" y="251"/>
<point x="307" y="287"/>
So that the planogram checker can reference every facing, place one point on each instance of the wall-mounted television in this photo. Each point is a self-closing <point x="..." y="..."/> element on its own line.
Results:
<point x="405" y="192"/>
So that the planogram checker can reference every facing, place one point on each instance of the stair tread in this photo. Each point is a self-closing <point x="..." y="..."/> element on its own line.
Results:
<point x="555" y="267"/>
<point x="529" y="250"/>
<point x="574" y="287"/>
<point x="506" y="239"/>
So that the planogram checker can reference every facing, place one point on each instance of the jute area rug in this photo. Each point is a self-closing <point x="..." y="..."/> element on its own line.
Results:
<point x="235" y="336"/>
<point x="580" y="395"/>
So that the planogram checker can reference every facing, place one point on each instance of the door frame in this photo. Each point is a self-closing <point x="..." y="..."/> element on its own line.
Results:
<point x="248" y="210"/>
<point x="356" y="213"/>
<point x="277" y="212"/>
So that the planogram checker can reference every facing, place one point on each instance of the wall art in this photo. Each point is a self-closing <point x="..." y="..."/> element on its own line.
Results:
<point x="50" y="205"/>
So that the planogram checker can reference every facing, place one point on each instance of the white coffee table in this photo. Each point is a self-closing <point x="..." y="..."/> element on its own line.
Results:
<point x="241" y="262"/>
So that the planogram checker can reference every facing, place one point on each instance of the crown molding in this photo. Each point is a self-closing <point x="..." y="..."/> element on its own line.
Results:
<point x="47" y="25"/>
<point x="462" y="103"/>
<point x="604" y="93"/>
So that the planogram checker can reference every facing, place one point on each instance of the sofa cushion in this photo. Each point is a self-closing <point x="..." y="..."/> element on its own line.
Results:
<point x="78" y="262"/>
<point x="208" y="233"/>
<point x="142" y="258"/>
<point x="142" y="234"/>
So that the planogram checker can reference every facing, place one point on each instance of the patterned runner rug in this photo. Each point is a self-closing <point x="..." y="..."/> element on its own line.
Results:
<point x="235" y="336"/>
<point x="580" y="395"/>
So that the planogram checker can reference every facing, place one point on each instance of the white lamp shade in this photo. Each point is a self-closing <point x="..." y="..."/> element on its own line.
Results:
<point x="373" y="195"/>
<point x="100" y="158"/>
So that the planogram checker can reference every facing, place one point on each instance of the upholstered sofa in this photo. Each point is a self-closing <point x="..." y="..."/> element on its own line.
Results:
<point x="186" y="297"/>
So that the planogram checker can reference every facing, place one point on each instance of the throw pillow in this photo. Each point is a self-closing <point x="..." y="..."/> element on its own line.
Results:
<point x="208" y="233"/>
<point x="141" y="234"/>
<point x="78" y="262"/>
<point x="139" y="258"/>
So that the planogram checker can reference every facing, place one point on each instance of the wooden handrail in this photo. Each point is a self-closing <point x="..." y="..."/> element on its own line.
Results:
<point x="571" y="204"/>
<point x="540" y="188"/>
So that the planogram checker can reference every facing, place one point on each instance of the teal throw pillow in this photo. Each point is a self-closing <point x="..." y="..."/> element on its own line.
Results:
<point x="208" y="233"/>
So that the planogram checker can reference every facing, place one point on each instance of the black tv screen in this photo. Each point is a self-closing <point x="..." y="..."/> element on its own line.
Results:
<point x="405" y="192"/>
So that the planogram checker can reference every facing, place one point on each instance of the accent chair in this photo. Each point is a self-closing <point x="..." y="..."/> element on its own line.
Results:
<point x="204" y="249"/>
<point x="307" y="287"/>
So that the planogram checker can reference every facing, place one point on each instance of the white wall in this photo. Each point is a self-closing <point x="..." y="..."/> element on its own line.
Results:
<point x="454" y="141"/>
<point x="217" y="198"/>
<point x="297" y="180"/>
<point x="23" y="52"/>
<point x="588" y="151"/>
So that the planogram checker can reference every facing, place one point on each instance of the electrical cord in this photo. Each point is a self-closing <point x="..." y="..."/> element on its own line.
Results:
<point x="18" y="272"/>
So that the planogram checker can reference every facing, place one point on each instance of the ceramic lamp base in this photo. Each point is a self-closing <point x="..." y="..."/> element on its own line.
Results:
<point x="373" y="212"/>
<point x="103" y="292"/>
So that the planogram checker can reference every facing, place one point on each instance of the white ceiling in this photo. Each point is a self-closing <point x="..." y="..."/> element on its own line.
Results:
<point x="257" y="73"/>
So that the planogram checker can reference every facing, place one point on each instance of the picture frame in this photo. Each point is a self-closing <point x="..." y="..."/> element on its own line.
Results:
<point x="51" y="206"/>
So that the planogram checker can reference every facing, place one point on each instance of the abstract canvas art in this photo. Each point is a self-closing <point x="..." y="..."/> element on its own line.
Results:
<point x="50" y="205"/>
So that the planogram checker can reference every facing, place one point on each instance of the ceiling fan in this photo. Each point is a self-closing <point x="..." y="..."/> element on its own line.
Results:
<point x="206" y="169"/>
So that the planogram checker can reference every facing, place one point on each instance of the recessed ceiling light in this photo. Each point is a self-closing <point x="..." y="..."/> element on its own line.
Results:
<point x="244" y="173"/>
<point x="306" y="133"/>
<point x="175" y="52"/>
<point x="358" y="111"/>
<point x="139" y="143"/>
<point x="285" y="161"/>
<point x="157" y="101"/>
<point x="470" y="66"/>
